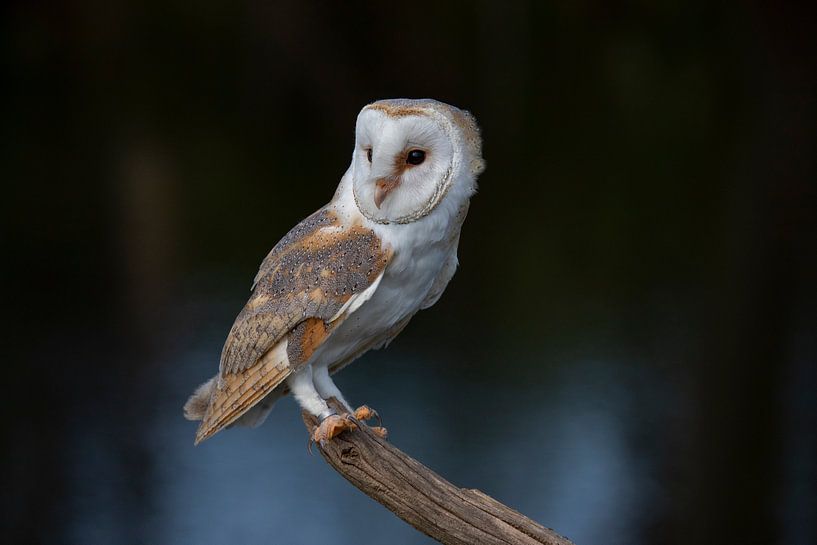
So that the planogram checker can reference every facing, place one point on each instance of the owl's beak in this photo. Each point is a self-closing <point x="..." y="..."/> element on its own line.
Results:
<point x="383" y="186"/>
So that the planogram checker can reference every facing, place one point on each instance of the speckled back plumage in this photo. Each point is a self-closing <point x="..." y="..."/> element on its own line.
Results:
<point x="311" y="273"/>
<point x="301" y="286"/>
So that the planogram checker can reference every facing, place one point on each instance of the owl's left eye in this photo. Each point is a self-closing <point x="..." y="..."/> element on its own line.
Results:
<point x="416" y="157"/>
<point x="369" y="154"/>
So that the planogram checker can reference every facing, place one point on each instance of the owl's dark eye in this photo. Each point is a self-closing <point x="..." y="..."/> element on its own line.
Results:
<point x="369" y="154"/>
<point x="415" y="157"/>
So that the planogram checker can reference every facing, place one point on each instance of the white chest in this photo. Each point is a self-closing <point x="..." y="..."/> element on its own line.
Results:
<point x="406" y="283"/>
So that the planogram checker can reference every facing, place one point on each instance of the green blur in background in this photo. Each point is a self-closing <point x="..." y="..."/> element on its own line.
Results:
<point x="627" y="353"/>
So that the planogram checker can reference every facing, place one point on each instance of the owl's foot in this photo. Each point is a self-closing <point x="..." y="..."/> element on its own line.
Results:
<point x="365" y="412"/>
<point x="380" y="431"/>
<point x="331" y="427"/>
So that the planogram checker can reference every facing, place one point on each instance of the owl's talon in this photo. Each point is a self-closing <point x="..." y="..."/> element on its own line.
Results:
<point x="331" y="427"/>
<point x="364" y="412"/>
<point x="380" y="431"/>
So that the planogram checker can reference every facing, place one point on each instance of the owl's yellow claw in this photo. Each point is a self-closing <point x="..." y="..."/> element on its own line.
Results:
<point x="380" y="431"/>
<point x="364" y="412"/>
<point x="331" y="427"/>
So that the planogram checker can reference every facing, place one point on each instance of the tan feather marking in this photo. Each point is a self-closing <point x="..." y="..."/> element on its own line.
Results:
<point x="396" y="110"/>
<point x="305" y="339"/>
<point x="400" y="165"/>
<point x="236" y="393"/>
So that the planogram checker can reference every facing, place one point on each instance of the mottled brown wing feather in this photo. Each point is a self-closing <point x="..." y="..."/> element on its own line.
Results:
<point x="302" y="285"/>
<point x="235" y="393"/>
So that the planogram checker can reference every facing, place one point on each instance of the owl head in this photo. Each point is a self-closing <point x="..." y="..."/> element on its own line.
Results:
<point x="411" y="155"/>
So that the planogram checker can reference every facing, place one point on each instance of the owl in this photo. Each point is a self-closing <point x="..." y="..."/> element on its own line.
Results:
<point x="348" y="278"/>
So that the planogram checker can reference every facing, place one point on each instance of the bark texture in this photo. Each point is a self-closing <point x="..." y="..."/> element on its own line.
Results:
<point x="434" y="506"/>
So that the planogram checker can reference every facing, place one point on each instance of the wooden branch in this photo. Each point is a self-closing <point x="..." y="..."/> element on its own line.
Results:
<point x="434" y="506"/>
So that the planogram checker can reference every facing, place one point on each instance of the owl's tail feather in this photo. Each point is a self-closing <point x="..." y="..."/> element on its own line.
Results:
<point x="196" y="406"/>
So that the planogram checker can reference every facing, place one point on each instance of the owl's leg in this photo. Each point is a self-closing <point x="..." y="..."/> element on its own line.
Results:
<point x="327" y="388"/>
<point x="304" y="392"/>
<point x="330" y="423"/>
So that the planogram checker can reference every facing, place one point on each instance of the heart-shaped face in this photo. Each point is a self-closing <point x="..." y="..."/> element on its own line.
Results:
<point x="407" y="156"/>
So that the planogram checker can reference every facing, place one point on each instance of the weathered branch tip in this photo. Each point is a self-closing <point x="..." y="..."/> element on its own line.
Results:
<point x="434" y="506"/>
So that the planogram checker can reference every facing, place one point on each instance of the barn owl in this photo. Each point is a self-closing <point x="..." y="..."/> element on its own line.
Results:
<point x="348" y="278"/>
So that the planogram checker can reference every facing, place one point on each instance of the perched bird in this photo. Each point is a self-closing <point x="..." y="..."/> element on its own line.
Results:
<point x="349" y="277"/>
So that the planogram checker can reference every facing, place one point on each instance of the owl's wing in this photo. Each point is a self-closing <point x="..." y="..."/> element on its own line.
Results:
<point x="309" y="283"/>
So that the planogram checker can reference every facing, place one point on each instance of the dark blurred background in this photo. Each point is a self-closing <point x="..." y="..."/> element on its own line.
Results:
<point x="627" y="353"/>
